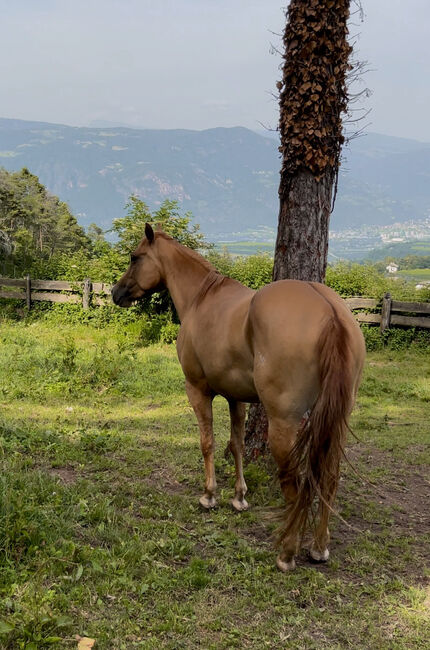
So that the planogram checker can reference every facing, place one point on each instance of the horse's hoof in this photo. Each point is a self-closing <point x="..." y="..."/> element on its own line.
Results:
<point x="239" y="504"/>
<point x="285" y="566"/>
<point x="207" y="502"/>
<point x="318" y="556"/>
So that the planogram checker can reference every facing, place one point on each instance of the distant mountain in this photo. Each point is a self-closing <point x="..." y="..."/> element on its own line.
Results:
<point x="228" y="178"/>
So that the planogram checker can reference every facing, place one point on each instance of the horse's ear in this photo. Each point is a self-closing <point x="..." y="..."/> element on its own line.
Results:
<point x="158" y="227"/>
<point x="149" y="233"/>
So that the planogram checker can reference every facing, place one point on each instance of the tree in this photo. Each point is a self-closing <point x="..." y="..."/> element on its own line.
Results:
<point x="130" y="229"/>
<point x="312" y="99"/>
<point x="95" y="234"/>
<point x="36" y="223"/>
<point x="5" y="247"/>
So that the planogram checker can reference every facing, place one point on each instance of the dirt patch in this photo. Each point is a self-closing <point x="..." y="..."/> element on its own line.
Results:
<point x="259" y="532"/>
<point x="67" y="474"/>
<point x="391" y="511"/>
<point x="161" y="480"/>
<point x="152" y="407"/>
<point x="403" y="488"/>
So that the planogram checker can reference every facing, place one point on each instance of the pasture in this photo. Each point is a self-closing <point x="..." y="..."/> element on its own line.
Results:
<point x="243" y="248"/>
<point x="101" y="534"/>
<point x="415" y="275"/>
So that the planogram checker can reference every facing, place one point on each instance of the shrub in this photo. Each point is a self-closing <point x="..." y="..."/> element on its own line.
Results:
<point x="253" y="271"/>
<point x="395" y="338"/>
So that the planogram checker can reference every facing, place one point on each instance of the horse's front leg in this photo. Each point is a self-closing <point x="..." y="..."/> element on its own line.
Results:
<point x="237" y="417"/>
<point x="201" y="400"/>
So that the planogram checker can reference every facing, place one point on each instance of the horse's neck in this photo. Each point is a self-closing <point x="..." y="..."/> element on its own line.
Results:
<point x="184" y="274"/>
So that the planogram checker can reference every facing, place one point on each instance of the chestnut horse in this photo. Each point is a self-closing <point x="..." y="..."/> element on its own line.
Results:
<point x="293" y="345"/>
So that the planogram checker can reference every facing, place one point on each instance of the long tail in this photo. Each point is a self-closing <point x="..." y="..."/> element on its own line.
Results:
<point x="315" y="457"/>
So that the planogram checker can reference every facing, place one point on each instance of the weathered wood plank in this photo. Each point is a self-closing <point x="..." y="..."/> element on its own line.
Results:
<point x="55" y="285"/>
<point x="362" y="317"/>
<point x="101" y="287"/>
<point x="410" y="321"/>
<point x="362" y="303"/>
<point x="419" y="307"/>
<point x="56" y="297"/>
<point x="12" y="282"/>
<point x="16" y="295"/>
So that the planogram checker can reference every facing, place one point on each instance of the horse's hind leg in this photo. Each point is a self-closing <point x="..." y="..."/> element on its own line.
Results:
<point x="282" y="435"/>
<point x="237" y="417"/>
<point x="201" y="400"/>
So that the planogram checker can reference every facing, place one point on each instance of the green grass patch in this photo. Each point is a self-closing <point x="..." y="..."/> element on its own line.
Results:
<point x="415" y="274"/>
<point x="247" y="247"/>
<point x="101" y="534"/>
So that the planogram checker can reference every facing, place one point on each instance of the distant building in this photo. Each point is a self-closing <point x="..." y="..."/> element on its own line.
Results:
<point x="392" y="268"/>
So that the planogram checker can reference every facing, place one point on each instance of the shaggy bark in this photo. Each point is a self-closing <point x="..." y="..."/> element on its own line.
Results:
<point x="312" y="99"/>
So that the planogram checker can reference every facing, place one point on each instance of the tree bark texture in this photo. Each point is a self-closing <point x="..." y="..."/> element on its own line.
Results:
<point x="312" y="99"/>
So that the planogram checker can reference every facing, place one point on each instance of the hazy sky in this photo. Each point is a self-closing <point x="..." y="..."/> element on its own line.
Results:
<point x="193" y="63"/>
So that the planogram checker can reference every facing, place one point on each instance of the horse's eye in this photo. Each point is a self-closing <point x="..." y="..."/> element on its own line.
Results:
<point x="133" y="258"/>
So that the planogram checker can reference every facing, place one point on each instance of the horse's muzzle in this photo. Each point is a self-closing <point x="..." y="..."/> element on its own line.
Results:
<point x="121" y="296"/>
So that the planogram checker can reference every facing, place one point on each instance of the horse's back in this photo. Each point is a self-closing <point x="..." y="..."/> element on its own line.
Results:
<point x="298" y="310"/>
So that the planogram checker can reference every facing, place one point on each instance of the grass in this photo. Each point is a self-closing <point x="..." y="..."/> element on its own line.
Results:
<point x="247" y="247"/>
<point x="415" y="274"/>
<point x="101" y="534"/>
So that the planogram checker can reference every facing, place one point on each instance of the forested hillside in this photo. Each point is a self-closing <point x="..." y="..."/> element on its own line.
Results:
<point x="34" y="224"/>
<point x="228" y="178"/>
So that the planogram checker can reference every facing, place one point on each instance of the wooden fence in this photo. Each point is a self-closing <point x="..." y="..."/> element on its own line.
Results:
<point x="388" y="312"/>
<point x="88" y="293"/>
<point x="385" y="312"/>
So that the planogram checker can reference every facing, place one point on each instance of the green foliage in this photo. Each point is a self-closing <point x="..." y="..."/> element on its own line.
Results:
<point x="400" y="251"/>
<point x="352" y="279"/>
<point x="223" y="262"/>
<point x="131" y="228"/>
<point x="415" y="262"/>
<point x="34" y="223"/>
<point x="349" y="279"/>
<point x="40" y="236"/>
<point x="396" y="339"/>
<point x="411" y="261"/>
<point x="253" y="271"/>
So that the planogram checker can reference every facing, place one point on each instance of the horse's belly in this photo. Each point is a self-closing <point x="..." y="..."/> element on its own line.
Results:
<point x="233" y="383"/>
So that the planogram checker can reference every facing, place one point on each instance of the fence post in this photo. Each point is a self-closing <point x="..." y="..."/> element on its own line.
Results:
<point x="86" y="295"/>
<point x="28" y="291"/>
<point x="386" y="312"/>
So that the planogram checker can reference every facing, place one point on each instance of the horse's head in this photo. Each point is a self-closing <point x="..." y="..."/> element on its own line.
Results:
<point x="142" y="276"/>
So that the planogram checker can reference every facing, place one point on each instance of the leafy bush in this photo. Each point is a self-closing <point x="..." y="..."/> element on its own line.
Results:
<point x="395" y="338"/>
<point x="352" y="279"/>
<point x="253" y="271"/>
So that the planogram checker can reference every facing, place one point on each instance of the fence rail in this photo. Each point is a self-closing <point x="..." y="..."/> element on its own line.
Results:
<point x="385" y="312"/>
<point x="88" y="293"/>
